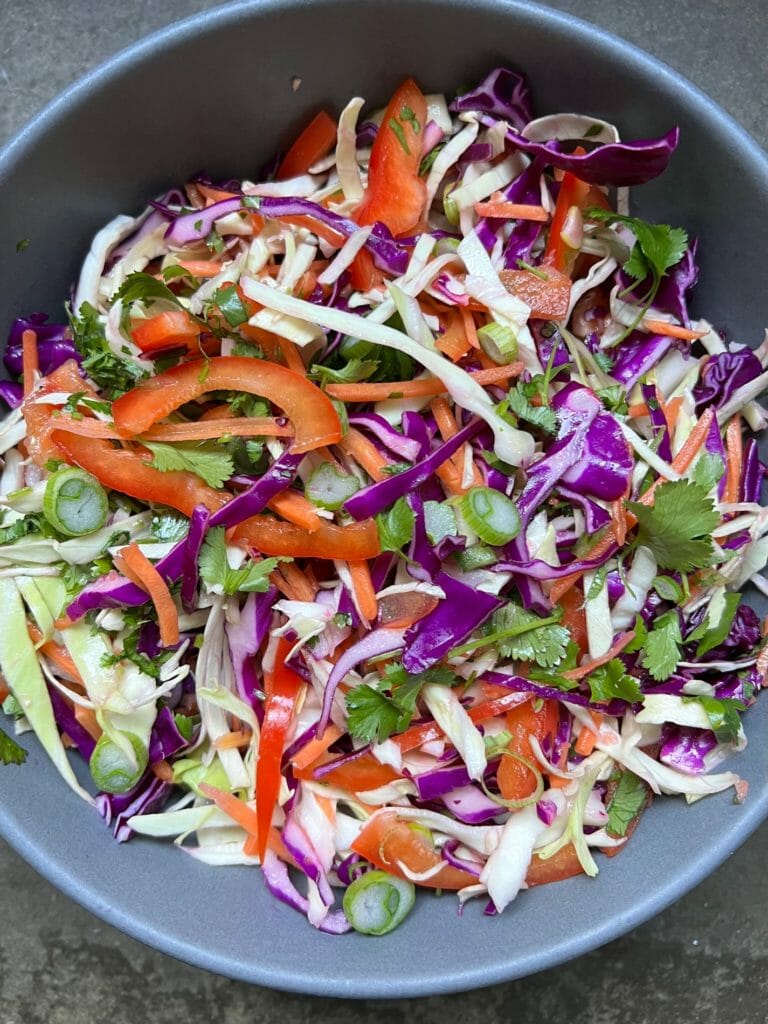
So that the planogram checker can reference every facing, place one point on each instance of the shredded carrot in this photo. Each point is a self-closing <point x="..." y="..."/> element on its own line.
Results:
<point x="216" y="195"/>
<point x="86" y="717"/>
<point x="453" y="342"/>
<point x="424" y="387"/>
<point x="498" y="207"/>
<point x="277" y="579"/>
<point x="295" y="508"/>
<point x="587" y="739"/>
<point x="365" y="452"/>
<point x="132" y="561"/>
<point x="447" y="425"/>
<point x="299" y="582"/>
<point x="256" y="426"/>
<point x="672" y="411"/>
<point x="201" y="268"/>
<point x="292" y="356"/>
<point x="446" y="421"/>
<point x="316" y="747"/>
<point x="57" y="655"/>
<point x="163" y="771"/>
<point x="733" y="448"/>
<point x="617" y="648"/>
<point x="30" y="361"/>
<point x="228" y="803"/>
<point x="233" y="740"/>
<point x="673" y="330"/>
<point x="364" y="590"/>
<point x="635" y="412"/>
<point x="63" y="622"/>
<point x="619" y="518"/>
<point x="681" y="462"/>
<point x="470" y="327"/>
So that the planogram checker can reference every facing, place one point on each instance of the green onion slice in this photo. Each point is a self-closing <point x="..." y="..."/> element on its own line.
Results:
<point x="499" y="342"/>
<point x="376" y="902"/>
<point x="492" y="515"/>
<point x="112" y="770"/>
<point x="74" y="502"/>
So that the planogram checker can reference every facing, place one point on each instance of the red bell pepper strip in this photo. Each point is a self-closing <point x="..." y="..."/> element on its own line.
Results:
<point x="515" y="779"/>
<point x="282" y="686"/>
<point x="313" y="143"/>
<point x="270" y="536"/>
<point x="564" y="864"/>
<point x="128" y="473"/>
<point x="573" y="192"/>
<point x="396" y="194"/>
<point x="316" y="422"/>
<point x="172" y="329"/>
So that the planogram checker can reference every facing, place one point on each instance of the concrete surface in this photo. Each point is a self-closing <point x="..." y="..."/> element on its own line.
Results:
<point x="703" y="959"/>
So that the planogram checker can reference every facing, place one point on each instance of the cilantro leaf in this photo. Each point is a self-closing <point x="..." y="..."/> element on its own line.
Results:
<point x="185" y="724"/>
<point x="524" y="636"/>
<point x="214" y="467"/>
<point x="710" y="637"/>
<point x="374" y="715"/>
<point x="355" y="370"/>
<point x="723" y="716"/>
<point x="662" y="647"/>
<point x="253" y="577"/>
<point x="231" y="305"/>
<point x="10" y="751"/>
<point x="614" y="398"/>
<point x="518" y="402"/>
<point x="678" y="526"/>
<point x="708" y="470"/>
<point x="611" y="681"/>
<point x="668" y="589"/>
<point x="396" y="526"/>
<point x="641" y="635"/>
<point x="169" y="527"/>
<point x="142" y="287"/>
<point x="627" y="802"/>
<point x="113" y="374"/>
<point x="658" y="246"/>
<point x="597" y="583"/>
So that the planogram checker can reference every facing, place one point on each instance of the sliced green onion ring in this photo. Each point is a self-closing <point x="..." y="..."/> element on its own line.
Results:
<point x="74" y="502"/>
<point x="111" y="769"/>
<point x="499" y="342"/>
<point x="329" y="488"/>
<point x="492" y="515"/>
<point x="376" y="902"/>
<point x="477" y="556"/>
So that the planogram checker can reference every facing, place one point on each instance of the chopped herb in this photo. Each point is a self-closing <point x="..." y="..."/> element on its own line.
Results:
<point x="678" y="526"/>
<point x="662" y="647"/>
<point x="597" y="583"/>
<point x="627" y="802"/>
<point x="352" y="372"/>
<point x="612" y="681"/>
<point x="231" y="305"/>
<point x="710" y="637"/>
<point x="253" y="577"/>
<point x="518" y="402"/>
<point x="10" y="751"/>
<point x="113" y="374"/>
<point x="723" y="716"/>
<point x="168" y="527"/>
<point x="396" y="526"/>
<point x="397" y="128"/>
<point x="525" y="636"/>
<point x="376" y="712"/>
<point x="214" y="467"/>
<point x="22" y="244"/>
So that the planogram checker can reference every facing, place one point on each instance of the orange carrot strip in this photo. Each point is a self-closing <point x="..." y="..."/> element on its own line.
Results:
<point x="364" y="590"/>
<point x="163" y="771"/>
<point x="447" y="425"/>
<point x="228" y="803"/>
<point x="503" y="210"/>
<point x="201" y="268"/>
<point x="30" y="361"/>
<point x="470" y="327"/>
<point x="733" y="447"/>
<point x="636" y="411"/>
<point x="453" y="342"/>
<point x="617" y="648"/>
<point x="619" y="517"/>
<point x="56" y="654"/>
<point x="316" y="747"/>
<point x="672" y="411"/>
<point x="87" y="718"/>
<point x="299" y="582"/>
<point x="232" y="740"/>
<point x="216" y="195"/>
<point x="681" y="462"/>
<point x="365" y="453"/>
<point x="673" y="330"/>
<point x="585" y="744"/>
<point x="256" y="426"/>
<point x="295" y="508"/>
<point x="135" y="564"/>
<point x="422" y="388"/>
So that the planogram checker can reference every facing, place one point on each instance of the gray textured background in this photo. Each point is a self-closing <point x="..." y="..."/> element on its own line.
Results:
<point x="703" y="959"/>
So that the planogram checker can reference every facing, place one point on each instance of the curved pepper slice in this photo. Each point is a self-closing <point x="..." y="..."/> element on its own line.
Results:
<point x="272" y="537"/>
<point x="128" y="473"/>
<point x="315" y="421"/>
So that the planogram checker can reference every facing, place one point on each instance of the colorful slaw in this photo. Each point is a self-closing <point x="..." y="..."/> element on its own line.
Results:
<point x="382" y="522"/>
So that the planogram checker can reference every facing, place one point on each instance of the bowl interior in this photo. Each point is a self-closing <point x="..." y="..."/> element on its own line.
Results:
<point x="147" y="121"/>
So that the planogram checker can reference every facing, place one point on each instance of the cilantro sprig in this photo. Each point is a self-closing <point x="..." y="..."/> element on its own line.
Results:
<point x="374" y="713"/>
<point x="524" y="636"/>
<point x="678" y="526"/>
<point x="211" y="465"/>
<point x="253" y="577"/>
<point x="10" y="751"/>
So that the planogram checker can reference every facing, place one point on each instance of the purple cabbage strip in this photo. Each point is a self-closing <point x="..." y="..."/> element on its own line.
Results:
<point x="470" y="805"/>
<point x="546" y="810"/>
<point x="405" y="447"/>
<point x="165" y="739"/>
<point x="460" y="613"/>
<point x="245" y="637"/>
<point x="380" y="641"/>
<point x="713" y="445"/>
<point x="543" y="571"/>
<point x="614" y="163"/>
<point x="524" y="233"/>
<point x="11" y="393"/>
<point x="68" y="723"/>
<point x="752" y="473"/>
<point x="376" y="497"/>
<point x="449" y="856"/>
<point x="439" y="781"/>
<point x="638" y="354"/>
<point x="148" y="795"/>
<point x="723" y="374"/>
<point x="595" y="516"/>
<point x="388" y="254"/>
<point x="519" y="684"/>
<point x="54" y="344"/>
<point x="424" y="560"/>
<point x="502" y="92"/>
<point x="298" y="844"/>
<point x="366" y="134"/>
<point x="684" y="748"/>
<point x="198" y="524"/>
<point x="278" y="477"/>
<point x="605" y="466"/>
<point x="280" y="885"/>
<point x="415" y="428"/>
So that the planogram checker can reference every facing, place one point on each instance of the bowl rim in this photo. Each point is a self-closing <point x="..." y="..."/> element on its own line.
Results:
<point x="22" y="839"/>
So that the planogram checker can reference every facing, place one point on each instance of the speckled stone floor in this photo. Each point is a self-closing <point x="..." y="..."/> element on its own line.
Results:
<point x="704" y="959"/>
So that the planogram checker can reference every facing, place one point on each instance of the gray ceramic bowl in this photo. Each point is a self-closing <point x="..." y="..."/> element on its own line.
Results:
<point x="144" y="121"/>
